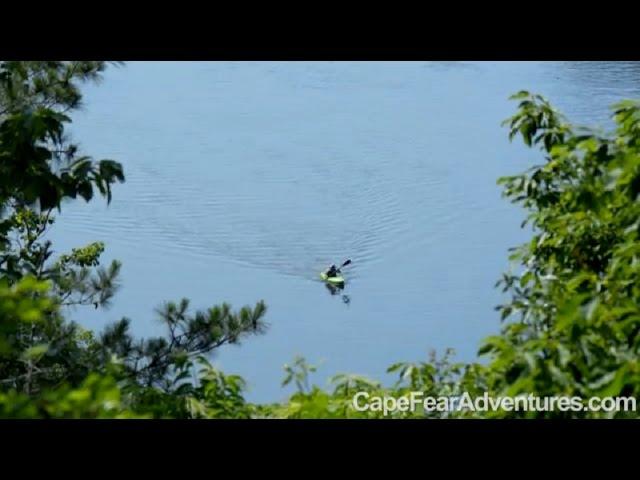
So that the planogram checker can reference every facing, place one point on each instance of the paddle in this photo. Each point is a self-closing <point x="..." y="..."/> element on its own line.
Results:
<point x="346" y="262"/>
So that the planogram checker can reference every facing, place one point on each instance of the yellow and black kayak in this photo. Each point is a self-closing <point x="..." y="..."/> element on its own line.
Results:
<point x="337" y="280"/>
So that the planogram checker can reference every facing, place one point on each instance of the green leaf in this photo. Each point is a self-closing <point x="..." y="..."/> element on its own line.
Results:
<point x="35" y="352"/>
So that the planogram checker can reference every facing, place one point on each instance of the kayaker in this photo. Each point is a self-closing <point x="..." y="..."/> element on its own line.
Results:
<point x="333" y="271"/>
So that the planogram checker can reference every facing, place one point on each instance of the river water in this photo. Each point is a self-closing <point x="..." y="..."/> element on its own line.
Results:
<point x="244" y="179"/>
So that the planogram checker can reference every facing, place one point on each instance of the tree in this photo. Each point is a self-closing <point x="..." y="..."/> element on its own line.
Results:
<point x="40" y="168"/>
<point x="574" y="315"/>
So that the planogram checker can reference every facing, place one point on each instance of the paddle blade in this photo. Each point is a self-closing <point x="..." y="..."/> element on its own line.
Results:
<point x="347" y="262"/>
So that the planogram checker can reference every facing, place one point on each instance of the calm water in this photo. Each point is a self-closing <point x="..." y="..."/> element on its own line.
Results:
<point x="245" y="179"/>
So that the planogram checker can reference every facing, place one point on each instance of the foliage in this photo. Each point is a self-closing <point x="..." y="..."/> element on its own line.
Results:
<point x="571" y="325"/>
<point x="202" y="393"/>
<point x="98" y="396"/>
<point x="437" y="377"/>
<point x="49" y="365"/>
<point x="23" y="306"/>
<point x="573" y="319"/>
<point x="38" y="163"/>
<point x="152" y="362"/>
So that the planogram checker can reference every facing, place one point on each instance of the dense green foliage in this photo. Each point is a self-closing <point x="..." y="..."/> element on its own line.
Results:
<point x="571" y="325"/>
<point x="574" y="304"/>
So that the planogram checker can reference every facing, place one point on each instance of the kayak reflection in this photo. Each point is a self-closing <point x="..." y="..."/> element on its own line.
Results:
<point x="337" y="289"/>
<point x="334" y="289"/>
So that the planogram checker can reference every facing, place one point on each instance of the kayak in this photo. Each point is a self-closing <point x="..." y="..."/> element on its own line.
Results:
<point x="339" y="280"/>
